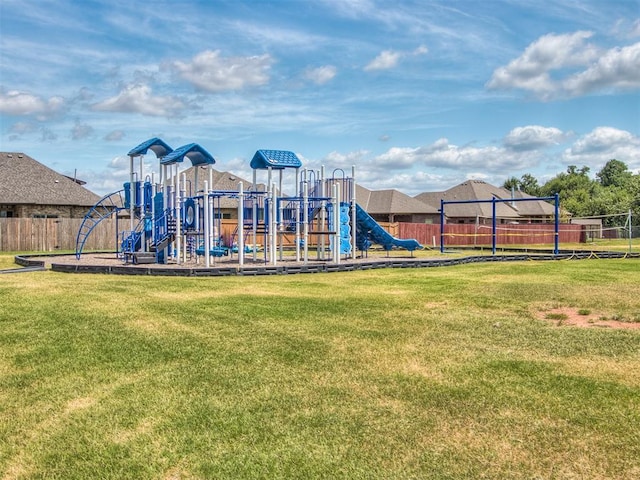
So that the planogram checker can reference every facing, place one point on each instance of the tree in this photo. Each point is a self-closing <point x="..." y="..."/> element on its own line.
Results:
<point x="527" y="184"/>
<point x="614" y="174"/>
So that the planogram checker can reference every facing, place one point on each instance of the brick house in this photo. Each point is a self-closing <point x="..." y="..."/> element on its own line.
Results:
<point x="29" y="189"/>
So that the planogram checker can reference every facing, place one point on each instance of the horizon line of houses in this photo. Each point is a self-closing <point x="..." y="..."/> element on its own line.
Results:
<point x="30" y="189"/>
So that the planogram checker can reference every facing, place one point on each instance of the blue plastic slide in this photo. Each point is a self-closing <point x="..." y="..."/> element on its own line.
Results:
<point x="369" y="231"/>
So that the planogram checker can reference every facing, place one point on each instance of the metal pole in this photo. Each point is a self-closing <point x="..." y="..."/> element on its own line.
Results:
<point x="131" y="194"/>
<point x="207" y="240"/>
<point x="441" y="226"/>
<point x="557" y="225"/>
<point x="305" y="220"/>
<point x="240" y="224"/>
<point x="493" y="225"/>
<point x="336" y="222"/>
<point x="353" y="211"/>
<point x="630" y="234"/>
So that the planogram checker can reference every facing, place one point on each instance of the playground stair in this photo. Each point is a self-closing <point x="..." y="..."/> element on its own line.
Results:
<point x="167" y="238"/>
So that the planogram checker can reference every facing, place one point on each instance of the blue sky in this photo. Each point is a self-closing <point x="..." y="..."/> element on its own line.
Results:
<point x="419" y="95"/>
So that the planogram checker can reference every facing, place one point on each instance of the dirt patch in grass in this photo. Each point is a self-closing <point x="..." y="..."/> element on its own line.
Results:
<point x="577" y="317"/>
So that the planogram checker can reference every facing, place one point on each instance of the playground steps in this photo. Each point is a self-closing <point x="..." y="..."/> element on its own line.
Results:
<point x="143" y="257"/>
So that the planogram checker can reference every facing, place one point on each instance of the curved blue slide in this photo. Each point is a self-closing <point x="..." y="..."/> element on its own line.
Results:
<point x="369" y="231"/>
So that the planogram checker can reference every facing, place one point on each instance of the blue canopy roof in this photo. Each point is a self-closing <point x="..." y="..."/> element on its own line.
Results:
<point x="156" y="145"/>
<point x="193" y="151"/>
<point x="277" y="159"/>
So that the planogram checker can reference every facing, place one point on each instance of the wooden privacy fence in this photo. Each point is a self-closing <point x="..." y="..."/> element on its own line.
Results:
<point x="52" y="234"/>
<point x="469" y="234"/>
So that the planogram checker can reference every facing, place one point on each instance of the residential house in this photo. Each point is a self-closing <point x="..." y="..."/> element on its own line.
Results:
<point x="395" y="206"/>
<point x="534" y="211"/>
<point x="33" y="190"/>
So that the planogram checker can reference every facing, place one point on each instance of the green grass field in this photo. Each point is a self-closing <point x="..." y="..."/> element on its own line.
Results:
<point x="440" y="373"/>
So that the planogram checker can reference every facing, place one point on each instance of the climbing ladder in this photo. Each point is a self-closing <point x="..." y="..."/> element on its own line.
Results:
<point x="106" y="207"/>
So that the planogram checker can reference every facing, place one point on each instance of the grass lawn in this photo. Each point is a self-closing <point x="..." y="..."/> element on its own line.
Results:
<point x="440" y="373"/>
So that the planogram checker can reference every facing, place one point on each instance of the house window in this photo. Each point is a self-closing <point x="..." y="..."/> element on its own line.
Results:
<point x="44" y="215"/>
<point x="6" y="213"/>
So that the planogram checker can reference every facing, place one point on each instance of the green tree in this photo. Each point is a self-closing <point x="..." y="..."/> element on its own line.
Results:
<point x="615" y="173"/>
<point x="575" y="188"/>
<point x="527" y="184"/>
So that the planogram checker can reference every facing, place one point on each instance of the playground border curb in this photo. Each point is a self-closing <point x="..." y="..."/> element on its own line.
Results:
<point x="32" y="262"/>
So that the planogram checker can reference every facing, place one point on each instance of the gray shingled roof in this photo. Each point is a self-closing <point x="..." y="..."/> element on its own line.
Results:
<point x="388" y="202"/>
<point x="480" y="190"/>
<point x="25" y="181"/>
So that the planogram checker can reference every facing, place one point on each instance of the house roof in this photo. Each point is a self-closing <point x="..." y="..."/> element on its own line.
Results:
<point x="24" y="180"/>
<point x="386" y="202"/>
<point x="479" y="190"/>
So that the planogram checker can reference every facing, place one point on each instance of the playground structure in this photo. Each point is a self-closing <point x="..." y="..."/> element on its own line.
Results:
<point x="170" y="223"/>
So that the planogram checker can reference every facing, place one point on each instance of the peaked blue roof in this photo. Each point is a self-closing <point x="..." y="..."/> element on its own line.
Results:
<point x="278" y="159"/>
<point x="156" y="145"/>
<point x="193" y="151"/>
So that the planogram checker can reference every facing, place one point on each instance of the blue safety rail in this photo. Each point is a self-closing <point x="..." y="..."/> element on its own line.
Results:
<point x="104" y="208"/>
<point x="192" y="151"/>
<point x="156" y="145"/>
<point x="371" y="231"/>
<point x="277" y="159"/>
<point x="131" y="241"/>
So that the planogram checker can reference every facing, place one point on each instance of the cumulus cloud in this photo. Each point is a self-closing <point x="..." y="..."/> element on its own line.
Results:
<point x="547" y="68"/>
<point x="619" y="68"/>
<point x="388" y="59"/>
<point x="321" y="75"/>
<point x="210" y="72"/>
<point x="19" y="103"/>
<point x="603" y="144"/>
<point x="533" y="137"/>
<point x="139" y="98"/>
<point x="523" y="147"/>
<point x="531" y="70"/>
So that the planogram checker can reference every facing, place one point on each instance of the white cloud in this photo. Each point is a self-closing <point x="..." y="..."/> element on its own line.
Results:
<point x="533" y="137"/>
<point x="421" y="50"/>
<point x="385" y="60"/>
<point x="618" y="68"/>
<point x="442" y="154"/>
<point x="388" y="59"/>
<point x="139" y="98"/>
<point x="531" y="71"/>
<point x="19" y="103"/>
<point x="210" y="72"/>
<point x="321" y="75"/>
<point x="114" y="136"/>
<point x="81" y="131"/>
<point x="603" y="144"/>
